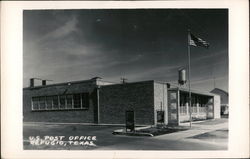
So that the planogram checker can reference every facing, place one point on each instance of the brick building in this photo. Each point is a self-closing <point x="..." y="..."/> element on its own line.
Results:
<point x="101" y="102"/>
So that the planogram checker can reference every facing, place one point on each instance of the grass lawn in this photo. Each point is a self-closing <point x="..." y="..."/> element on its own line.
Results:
<point x="163" y="130"/>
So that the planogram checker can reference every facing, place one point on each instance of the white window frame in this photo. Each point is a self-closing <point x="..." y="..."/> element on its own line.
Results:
<point x="52" y="97"/>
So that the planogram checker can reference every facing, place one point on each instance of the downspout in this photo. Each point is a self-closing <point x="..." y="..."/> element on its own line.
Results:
<point x="98" y="103"/>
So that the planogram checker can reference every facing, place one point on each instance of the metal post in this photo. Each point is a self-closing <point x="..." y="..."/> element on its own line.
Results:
<point x="189" y="85"/>
<point x="98" y="104"/>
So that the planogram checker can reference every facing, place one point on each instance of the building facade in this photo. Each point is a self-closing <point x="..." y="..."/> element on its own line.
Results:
<point x="224" y="100"/>
<point x="101" y="102"/>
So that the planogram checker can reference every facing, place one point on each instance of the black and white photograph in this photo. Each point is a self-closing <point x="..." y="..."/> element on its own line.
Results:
<point x="125" y="79"/>
<point x="109" y="79"/>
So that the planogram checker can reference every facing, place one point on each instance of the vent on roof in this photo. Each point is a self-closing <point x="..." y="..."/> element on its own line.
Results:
<point x="32" y="82"/>
<point x="44" y="82"/>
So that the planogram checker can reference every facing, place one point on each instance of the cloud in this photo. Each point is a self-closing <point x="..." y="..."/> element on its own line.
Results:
<point x="62" y="31"/>
<point x="78" y="44"/>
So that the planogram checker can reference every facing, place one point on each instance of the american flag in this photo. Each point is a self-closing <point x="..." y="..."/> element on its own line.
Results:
<point x="195" y="41"/>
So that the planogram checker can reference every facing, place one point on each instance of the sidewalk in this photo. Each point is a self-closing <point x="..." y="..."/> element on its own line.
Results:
<point x="195" y="130"/>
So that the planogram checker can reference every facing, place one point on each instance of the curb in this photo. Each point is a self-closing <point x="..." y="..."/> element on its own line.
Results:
<point x="88" y="124"/>
<point x="132" y="133"/>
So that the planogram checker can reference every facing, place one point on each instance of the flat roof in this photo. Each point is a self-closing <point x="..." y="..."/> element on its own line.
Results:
<point x="70" y="82"/>
<point x="94" y="79"/>
<point x="108" y="83"/>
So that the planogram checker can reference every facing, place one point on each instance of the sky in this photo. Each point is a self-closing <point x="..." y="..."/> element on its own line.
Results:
<point x="136" y="44"/>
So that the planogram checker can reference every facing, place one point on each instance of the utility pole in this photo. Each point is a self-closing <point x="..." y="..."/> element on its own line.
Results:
<point x="124" y="80"/>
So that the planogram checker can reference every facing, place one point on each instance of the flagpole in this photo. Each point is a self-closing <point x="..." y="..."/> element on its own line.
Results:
<point x="189" y="84"/>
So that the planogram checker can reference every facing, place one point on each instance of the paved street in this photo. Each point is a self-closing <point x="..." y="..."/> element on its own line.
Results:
<point x="209" y="135"/>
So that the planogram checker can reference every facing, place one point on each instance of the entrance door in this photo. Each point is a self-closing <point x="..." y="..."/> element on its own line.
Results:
<point x="160" y="117"/>
<point x="130" y="121"/>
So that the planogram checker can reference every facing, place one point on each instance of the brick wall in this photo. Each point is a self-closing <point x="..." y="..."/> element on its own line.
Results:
<point x="70" y="116"/>
<point x="116" y="99"/>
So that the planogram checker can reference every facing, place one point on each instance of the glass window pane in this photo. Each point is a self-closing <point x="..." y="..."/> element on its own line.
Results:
<point x="173" y="96"/>
<point x="42" y="103"/>
<point x="55" y="102"/>
<point x="35" y="102"/>
<point x="49" y="102"/>
<point x="69" y="101"/>
<point x="77" y="101"/>
<point x="62" y="101"/>
<point x="85" y="100"/>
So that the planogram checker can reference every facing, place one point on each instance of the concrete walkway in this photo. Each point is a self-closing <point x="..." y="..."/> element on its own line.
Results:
<point x="195" y="130"/>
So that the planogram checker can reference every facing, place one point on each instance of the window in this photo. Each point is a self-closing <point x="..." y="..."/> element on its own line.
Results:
<point x="61" y="102"/>
<point x="77" y="101"/>
<point x="69" y="101"/>
<point x="42" y="103"/>
<point x="49" y="102"/>
<point x="55" y="102"/>
<point x="35" y="103"/>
